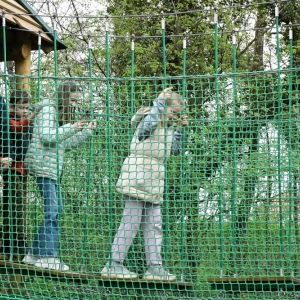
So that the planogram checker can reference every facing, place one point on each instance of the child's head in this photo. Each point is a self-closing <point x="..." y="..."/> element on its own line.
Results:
<point x="19" y="104"/>
<point x="175" y="106"/>
<point x="69" y="94"/>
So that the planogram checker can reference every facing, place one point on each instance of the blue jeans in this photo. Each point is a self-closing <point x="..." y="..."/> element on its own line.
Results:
<point x="47" y="240"/>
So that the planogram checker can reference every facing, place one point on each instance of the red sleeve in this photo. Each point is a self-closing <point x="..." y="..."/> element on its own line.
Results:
<point x="19" y="126"/>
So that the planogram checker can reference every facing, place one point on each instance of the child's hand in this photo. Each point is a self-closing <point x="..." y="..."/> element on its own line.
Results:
<point x="140" y="111"/>
<point x="34" y="110"/>
<point x="165" y="94"/>
<point x="6" y="163"/>
<point x="79" y="125"/>
<point x="31" y="116"/>
<point x="143" y="111"/>
<point x="184" y="122"/>
<point x="92" y="125"/>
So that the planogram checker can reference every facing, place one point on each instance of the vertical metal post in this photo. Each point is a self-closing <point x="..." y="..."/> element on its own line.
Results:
<point x="166" y="190"/>
<point x="108" y="133"/>
<point x="234" y="194"/>
<point x="220" y="201"/>
<point x="5" y="78"/>
<point x="279" y="136"/>
<point x="39" y="99"/>
<point x="164" y="56"/>
<point x="39" y="66"/>
<point x="91" y="155"/>
<point x="132" y="94"/>
<point x="183" y="171"/>
<point x="58" y="192"/>
<point x="290" y="152"/>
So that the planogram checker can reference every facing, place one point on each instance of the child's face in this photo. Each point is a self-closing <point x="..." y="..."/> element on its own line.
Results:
<point x="74" y="98"/>
<point x="20" y="110"/>
<point x="173" y="113"/>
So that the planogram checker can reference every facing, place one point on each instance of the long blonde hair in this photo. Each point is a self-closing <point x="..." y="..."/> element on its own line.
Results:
<point x="65" y="114"/>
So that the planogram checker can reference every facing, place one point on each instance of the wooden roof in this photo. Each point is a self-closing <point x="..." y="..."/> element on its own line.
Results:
<point x="20" y="15"/>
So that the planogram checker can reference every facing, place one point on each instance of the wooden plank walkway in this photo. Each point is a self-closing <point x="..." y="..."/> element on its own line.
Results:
<point x="275" y="283"/>
<point x="28" y="270"/>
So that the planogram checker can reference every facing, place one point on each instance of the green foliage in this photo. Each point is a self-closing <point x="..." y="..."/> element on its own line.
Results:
<point x="232" y="196"/>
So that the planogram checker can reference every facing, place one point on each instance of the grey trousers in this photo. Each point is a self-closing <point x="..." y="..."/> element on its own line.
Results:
<point x="138" y="214"/>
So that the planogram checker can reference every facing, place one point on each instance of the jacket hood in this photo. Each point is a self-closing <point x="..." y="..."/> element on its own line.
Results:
<point x="140" y="114"/>
<point x="45" y="102"/>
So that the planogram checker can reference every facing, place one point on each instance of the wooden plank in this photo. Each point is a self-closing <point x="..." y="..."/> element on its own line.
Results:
<point x="29" y="270"/>
<point x="20" y="17"/>
<point x="14" y="4"/>
<point x="33" y="28"/>
<point x="19" y="12"/>
<point x="140" y="284"/>
<point x="250" y="284"/>
<point x="17" y="15"/>
<point x="251" y="279"/>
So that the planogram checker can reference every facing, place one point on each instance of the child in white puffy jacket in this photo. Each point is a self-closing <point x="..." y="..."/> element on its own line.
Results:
<point x="141" y="184"/>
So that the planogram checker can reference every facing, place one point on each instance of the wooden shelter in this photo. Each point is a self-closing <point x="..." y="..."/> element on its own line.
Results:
<point x="23" y="27"/>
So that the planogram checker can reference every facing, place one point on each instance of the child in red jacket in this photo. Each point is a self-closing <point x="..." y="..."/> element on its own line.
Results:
<point x="15" y="179"/>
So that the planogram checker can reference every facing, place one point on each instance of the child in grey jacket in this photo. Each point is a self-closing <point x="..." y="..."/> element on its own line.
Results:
<point x="53" y="134"/>
<point x="141" y="184"/>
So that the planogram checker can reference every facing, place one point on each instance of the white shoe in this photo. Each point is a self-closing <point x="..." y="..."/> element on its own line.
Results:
<point x="158" y="273"/>
<point x="51" y="263"/>
<point x="117" y="271"/>
<point x="30" y="259"/>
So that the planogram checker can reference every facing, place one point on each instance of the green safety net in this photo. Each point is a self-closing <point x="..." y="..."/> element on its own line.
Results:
<point x="230" y="210"/>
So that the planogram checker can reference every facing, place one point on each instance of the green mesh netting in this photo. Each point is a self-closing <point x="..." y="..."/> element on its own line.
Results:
<point x="229" y="202"/>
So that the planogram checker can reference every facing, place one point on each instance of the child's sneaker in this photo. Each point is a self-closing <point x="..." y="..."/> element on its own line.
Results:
<point x="30" y="259"/>
<point x="51" y="263"/>
<point x="117" y="271"/>
<point x="158" y="273"/>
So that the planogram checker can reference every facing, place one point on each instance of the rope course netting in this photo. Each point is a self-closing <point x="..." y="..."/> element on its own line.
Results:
<point x="117" y="187"/>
